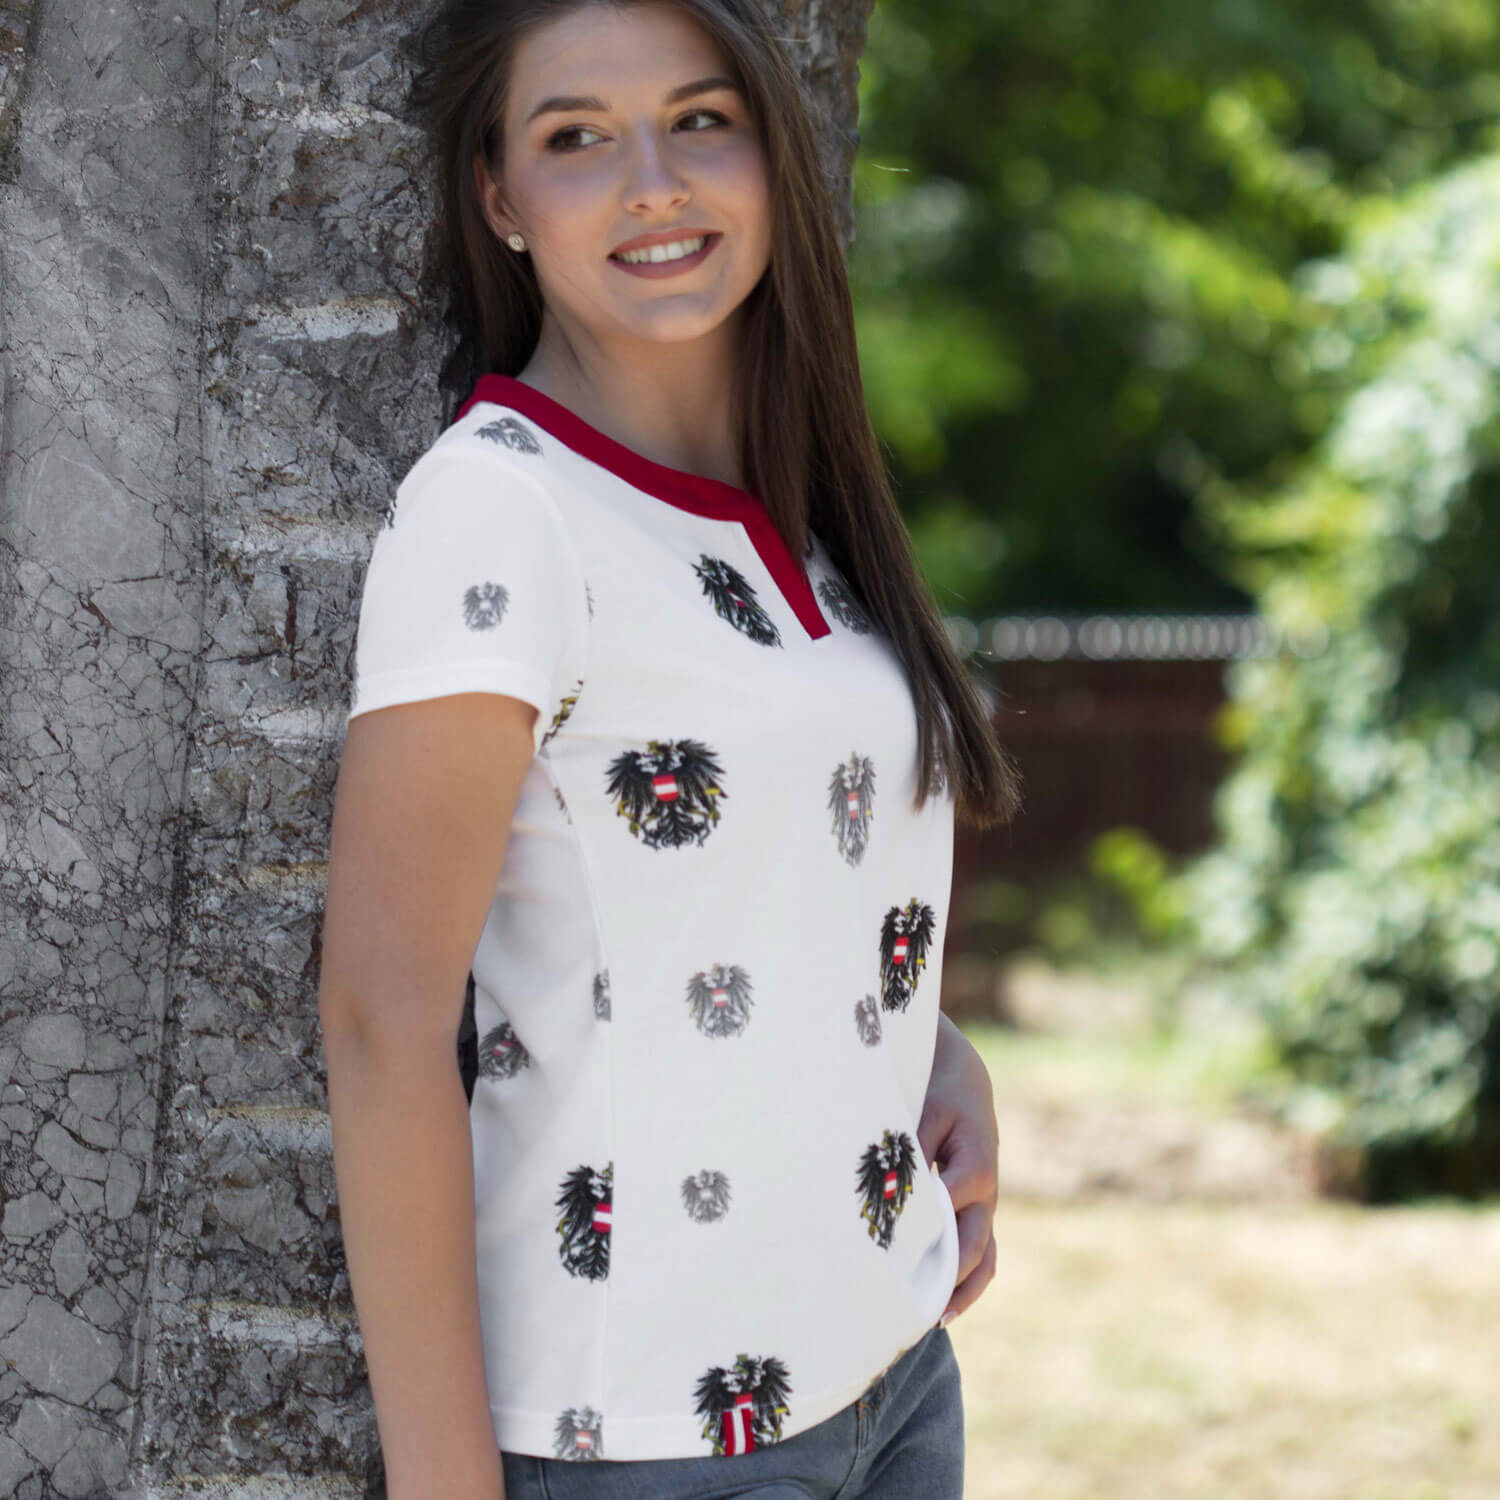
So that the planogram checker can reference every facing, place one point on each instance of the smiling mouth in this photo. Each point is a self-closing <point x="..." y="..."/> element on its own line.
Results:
<point x="709" y="241"/>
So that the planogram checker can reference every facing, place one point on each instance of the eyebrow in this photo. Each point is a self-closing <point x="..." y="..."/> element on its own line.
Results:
<point x="566" y="104"/>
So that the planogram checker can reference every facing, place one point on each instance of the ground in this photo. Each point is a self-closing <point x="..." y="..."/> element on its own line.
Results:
<point x="1176" y="1311"/>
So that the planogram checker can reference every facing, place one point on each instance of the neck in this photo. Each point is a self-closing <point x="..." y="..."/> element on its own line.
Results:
<point x="672" y="405"/>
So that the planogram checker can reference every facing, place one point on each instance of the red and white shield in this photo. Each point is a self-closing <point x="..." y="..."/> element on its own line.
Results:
<point x="739" y="1431"/>
<point x="898" y="953"/>
<point x="890" y="1184"/>
<point x="721" y="997"/>
<point x="601" y="1216"/>
<point x="854" y="804"/>
<point x="665" y="786"/>
<point x="583" y="1441"/>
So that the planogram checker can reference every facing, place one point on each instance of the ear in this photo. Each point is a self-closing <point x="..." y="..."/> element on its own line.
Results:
<point x="489" y="199"/>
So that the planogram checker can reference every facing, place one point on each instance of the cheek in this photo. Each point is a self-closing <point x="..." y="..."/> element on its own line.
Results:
<point x="565" y="205"/>
<point x="743" y="173"/>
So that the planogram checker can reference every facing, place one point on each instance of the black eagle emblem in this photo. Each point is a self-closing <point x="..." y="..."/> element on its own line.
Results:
<point x="601" y="995"/>
<point x="905" y="937"/>
<point x="742" y="1408"/>
<point x="887" y="1174"/>
<point x="583" y="1226"/>
<point x="579" y="1434"/>
<point x="670" y="793"/>
<point x="719" y="1000"/>
<point x="516" y="436"/>
<point x="867" y="1020"/>
<point x="734" y="599"/>
<point x="842" y="605"/>
<point x="502" y="1053"/>
<point x="851" y="798"/>
<point x="705" y="1195"/>
<point x="563" y="714"/>
<point x="484" y="605"/>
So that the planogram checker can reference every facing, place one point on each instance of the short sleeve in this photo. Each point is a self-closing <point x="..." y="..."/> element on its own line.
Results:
<point x="474" y="586"/>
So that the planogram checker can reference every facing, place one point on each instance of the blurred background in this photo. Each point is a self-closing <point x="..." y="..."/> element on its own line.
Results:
<point x="1181" y="326"/>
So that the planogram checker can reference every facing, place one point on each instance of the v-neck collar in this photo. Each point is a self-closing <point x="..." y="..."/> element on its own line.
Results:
<point x="694" y="493"/>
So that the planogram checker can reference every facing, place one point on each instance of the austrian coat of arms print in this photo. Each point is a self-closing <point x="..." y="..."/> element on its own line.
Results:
<point x="742" y="1407"/>
<point x="579" y="1435"/>
<point x="669" y="793"/>
<point x="906" y="935"/>
<point x="885" y="1179"/>
<point x="586" y="1201"/>
<point x="510" y="433"/>
<point x="851" y="797"/>
<point x="734" y="599"/>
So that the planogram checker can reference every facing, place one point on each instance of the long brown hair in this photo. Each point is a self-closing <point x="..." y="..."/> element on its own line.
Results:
<point x="807" y="446"/>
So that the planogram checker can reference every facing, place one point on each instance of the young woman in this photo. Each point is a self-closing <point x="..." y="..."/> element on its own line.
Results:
<point x="655" y="737"/>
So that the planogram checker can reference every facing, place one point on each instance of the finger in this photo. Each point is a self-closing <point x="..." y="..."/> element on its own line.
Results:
<point x="975" y="1232"/>
<point x="935" y="1136"/>
<point x="968" y="1291"/>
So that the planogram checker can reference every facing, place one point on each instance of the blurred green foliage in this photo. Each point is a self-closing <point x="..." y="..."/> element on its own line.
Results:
<point x="1169" y="307"/>
<point x="1357" y="887"/>
<point x="1079" y="224"/>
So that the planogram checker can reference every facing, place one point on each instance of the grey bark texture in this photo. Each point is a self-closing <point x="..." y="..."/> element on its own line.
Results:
<point x="216" y="361"/>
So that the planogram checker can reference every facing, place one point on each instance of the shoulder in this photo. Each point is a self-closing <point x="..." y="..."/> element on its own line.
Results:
<point x="490" y="454"/>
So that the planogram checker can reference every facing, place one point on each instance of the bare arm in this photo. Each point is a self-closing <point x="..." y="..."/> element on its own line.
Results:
<point x="422" y="813"/>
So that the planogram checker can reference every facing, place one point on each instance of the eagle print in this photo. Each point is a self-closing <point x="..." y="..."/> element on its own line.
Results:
<point x="835" y="593"/>
<point x="502" y="1053"/>
<point x="905" y="936"/>
<point x="851" y="798"/>
<point x="583" y="1225"/>
<point x="484" y="605"/>
<point x="743" y="1407"/>
<point x="516" y="436"/>
<point x="885" y="1179"/>
<point x="601" y="995"/>
<point x="719" y="1000"/>
<point x="734" y="599"/>
<point x="669" y="793"/>
<point x="867" y="1020"/>
<point x="705" y="1196"/>
<point x="563" y="714"/>
<point x="579" y="1434"/>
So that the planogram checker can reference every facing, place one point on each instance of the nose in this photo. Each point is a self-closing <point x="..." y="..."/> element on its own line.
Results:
<point x="653" y="182"/>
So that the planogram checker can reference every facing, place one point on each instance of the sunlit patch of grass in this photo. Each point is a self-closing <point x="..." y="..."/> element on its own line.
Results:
<point x="1187" y="1068"/>
<point x="1180" y="1351"/>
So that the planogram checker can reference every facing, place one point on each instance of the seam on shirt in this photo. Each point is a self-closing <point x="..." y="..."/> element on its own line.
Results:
<point x="399" y="685"/>
<point x="457" y="444"/>
<point x="468" y="442"/>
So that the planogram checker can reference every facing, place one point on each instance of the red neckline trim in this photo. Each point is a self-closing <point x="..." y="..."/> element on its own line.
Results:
<point x="693" y="493"/>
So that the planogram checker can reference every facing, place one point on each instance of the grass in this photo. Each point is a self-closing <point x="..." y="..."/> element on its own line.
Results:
<point x="1324" y="1351"/>
<point x="1184" y="1350"/>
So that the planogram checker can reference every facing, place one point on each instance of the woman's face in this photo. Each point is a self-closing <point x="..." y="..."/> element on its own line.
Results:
<point x="612" y="156"/>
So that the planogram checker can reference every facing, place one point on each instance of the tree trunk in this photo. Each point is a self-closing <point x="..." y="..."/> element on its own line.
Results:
<point x="210" y="245"/>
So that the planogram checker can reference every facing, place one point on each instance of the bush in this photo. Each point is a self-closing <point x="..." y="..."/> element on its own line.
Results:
<point x="1356" y="892"/>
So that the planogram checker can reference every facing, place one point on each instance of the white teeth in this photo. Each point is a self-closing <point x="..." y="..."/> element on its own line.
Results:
<point x="675" y="251"/>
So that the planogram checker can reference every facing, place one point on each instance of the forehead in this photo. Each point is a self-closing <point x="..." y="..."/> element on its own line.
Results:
<point x="621" y="54"/>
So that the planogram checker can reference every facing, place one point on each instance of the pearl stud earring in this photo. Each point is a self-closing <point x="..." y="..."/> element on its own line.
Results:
<point x="515" y="242"/>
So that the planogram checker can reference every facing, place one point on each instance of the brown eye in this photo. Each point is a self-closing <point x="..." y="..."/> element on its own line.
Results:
<point x="569" y="131"/>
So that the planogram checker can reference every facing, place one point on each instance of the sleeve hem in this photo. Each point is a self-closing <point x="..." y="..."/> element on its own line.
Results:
<point x="419" y="684"/>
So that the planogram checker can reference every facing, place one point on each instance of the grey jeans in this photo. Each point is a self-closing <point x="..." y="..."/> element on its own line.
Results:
<point x="903" y="1439"/>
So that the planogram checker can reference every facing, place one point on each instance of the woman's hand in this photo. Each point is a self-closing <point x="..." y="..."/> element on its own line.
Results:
<point x="958" y="1130"/>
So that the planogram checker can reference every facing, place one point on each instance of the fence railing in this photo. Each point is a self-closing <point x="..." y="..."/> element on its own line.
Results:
<point x="1057" y="637"/>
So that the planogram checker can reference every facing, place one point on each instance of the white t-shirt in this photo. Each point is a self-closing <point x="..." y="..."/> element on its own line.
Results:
<point x="706" y="992"/>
